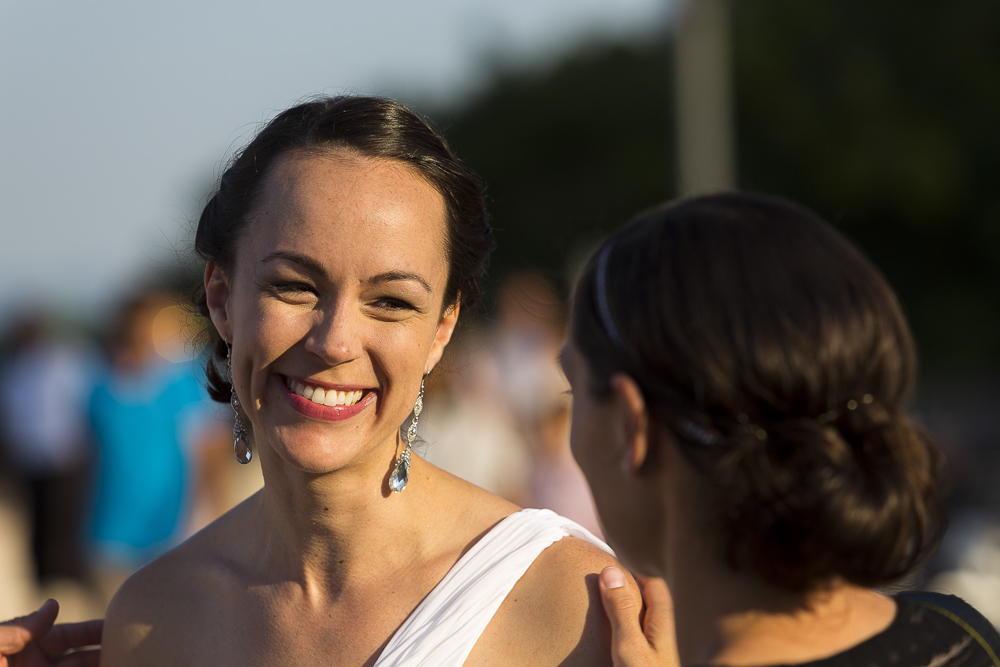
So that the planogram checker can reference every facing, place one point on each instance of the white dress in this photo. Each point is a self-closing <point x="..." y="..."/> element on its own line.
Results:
<point x="445" y="626"/>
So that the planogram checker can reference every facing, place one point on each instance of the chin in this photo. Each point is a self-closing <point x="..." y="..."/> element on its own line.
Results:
<point x="634" y="548"/>
<point x="646" y="569"/>
<point x="310" y="455"/>
<point x="638" y="564"/>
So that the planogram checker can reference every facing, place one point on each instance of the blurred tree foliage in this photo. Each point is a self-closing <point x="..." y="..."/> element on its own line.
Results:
<point x="883" y="117"/>
<point x="568" y="152"/>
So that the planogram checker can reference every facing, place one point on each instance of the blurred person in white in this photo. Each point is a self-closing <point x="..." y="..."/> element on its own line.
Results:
<point x="467" y="428"/>
<point x="527" y="336"/>
<point x="44" y="385"/>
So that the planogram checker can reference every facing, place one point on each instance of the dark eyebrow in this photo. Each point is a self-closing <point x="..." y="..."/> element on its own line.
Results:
<point x="313" y="266"/>
<point x="302" y="260"/>
<point x="399" y="275"/>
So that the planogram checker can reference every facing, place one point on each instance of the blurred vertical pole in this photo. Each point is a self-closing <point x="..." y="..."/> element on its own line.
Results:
<point x="706" y="154"/>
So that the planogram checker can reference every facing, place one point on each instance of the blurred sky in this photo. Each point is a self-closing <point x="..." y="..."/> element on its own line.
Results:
<point x="116" y="114"/>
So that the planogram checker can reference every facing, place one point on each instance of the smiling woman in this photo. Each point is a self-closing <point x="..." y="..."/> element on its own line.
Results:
<point x="314" y="300"/>
<point x="340" y="249"/>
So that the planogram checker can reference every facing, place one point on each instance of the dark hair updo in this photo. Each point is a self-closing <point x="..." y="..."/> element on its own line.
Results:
<point x="780" y="359"/>
<point x="372" y="127"/>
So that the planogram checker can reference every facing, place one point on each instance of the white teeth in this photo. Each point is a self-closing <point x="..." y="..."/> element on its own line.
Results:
<point x="322" y="396"/>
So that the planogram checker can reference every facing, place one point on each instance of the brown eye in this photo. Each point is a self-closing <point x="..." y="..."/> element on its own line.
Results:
<point x="291" y="287"/>
<point x="292" y="292"/>
<point x="391" y="303"/>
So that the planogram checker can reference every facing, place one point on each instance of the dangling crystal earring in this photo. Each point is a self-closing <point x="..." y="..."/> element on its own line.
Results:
<point x="241" y="446"/>
<point x="401" y="473"/>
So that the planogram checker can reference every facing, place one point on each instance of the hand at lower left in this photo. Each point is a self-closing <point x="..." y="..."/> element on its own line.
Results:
<point x="33" y="640"/>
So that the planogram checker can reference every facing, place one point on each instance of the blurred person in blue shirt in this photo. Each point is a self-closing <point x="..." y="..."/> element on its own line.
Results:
<point x="151" y="418"/>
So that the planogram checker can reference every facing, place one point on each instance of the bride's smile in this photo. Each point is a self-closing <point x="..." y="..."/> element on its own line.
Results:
<point x="335" y="308"/>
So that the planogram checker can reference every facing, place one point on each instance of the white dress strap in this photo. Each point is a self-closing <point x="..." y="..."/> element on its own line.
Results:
<point x="445" y="626"/>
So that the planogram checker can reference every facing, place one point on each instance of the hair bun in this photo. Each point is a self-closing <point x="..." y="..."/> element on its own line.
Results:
<point x="814" y="500"/>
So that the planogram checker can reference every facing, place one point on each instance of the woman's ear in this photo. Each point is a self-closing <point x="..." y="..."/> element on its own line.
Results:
<point x="217" y="298"/>
<point x="445" y="328"/>
<point x="633" y="421"/>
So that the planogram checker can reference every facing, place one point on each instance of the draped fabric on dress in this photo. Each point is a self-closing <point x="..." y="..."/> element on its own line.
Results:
<point x="445" y="626"/>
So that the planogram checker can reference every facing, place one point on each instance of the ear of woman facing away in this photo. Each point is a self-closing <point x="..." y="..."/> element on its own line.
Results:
<point x="784" y="480"/>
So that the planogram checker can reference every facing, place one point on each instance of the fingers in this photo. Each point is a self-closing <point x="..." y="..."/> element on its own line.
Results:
<point x="638" y="639"/>
<point x="628" y="643"/>
<point x="658" y="623"/>
<point x="18" y="633"/>
<point x="71" y="635"/>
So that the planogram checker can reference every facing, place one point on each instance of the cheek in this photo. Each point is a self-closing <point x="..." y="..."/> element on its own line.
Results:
<point x="398" y="353"/>
<point x="577" y="444"/>
<point x="274" y="330"/>
<point x="590" y="441"/>
<point x="401" y="357"/>
<point x="263" y="334"/>
<point x="401" y="347"/>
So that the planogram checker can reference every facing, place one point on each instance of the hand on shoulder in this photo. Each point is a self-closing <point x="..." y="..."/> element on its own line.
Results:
<point x="641" y="635"/>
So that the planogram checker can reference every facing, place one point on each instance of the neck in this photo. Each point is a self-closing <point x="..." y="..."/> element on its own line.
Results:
<point x="731" y="618"/>
<point x="736" y="618"/>
<point x="330" y="531"/>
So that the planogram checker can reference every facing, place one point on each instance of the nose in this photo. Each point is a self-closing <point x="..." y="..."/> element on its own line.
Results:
<point x="335" y="337"/>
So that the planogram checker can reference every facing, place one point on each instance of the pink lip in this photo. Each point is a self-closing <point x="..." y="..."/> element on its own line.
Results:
<point x="326" y="412"/>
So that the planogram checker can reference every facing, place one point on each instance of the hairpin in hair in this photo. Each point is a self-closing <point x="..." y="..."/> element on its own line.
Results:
<point x="699" y="433"/>
<point x="750" y="428"/>
<point x="850" y="406"/>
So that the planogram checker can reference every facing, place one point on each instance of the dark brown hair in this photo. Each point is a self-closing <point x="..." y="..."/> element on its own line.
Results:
<point x="372" y="127"/>
<point x="781" y="360"/>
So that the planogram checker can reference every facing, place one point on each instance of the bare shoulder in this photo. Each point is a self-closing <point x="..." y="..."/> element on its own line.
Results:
<point x="143" y="615"/>
<point x="553" y="615"/>
<point x="159" y="612"/>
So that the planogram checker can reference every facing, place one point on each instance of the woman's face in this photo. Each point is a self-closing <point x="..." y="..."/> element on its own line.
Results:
<point x="592" y="438"/>
<point x="600" y="439"/>
<point x="334" y="306"/>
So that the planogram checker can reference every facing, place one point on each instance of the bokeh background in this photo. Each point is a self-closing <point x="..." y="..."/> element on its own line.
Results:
<point x="883" y="117"/>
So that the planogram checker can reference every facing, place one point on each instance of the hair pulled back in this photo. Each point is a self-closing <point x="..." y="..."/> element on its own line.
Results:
<point x="781" y="360"/>
<point x="372" y="127"/>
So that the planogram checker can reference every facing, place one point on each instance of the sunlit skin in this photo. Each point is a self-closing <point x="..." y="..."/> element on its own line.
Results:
<point x="598" y="439"/>
<point x="308" y="303"/>
<point x="338" y="285"/>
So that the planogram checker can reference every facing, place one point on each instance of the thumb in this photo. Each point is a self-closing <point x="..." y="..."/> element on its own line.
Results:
<point x="623" y="607"/>
<point x="18" y="633"/>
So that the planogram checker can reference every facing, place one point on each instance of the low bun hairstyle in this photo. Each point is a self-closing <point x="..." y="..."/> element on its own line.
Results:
<point x="780" y="359"/>
<point x="371" y="127"/>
